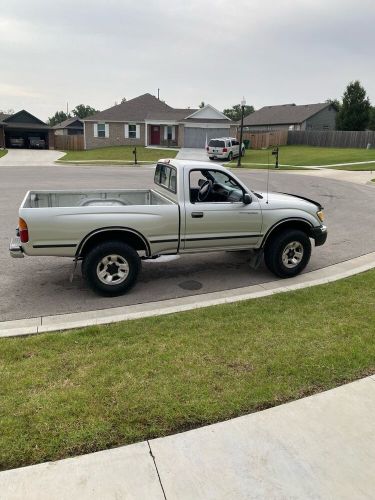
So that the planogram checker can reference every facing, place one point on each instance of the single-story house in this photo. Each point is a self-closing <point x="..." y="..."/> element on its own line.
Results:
<point x="17" y="129"/>
<point x="292" y="117"/>
<point x="145" y="120"/>
<point x="70" y="126"/>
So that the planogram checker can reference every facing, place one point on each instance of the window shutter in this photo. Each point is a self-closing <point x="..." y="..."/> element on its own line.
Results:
<point x="107" y="129"/>
<point x="126" y="131"/>
<point x="138" y="131"/>
<point x="95" y="130"/>
<point x="173" y="133"/>
<point x="165" y="132"/>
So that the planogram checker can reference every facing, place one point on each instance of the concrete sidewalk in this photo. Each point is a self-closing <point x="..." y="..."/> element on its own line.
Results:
<point x="320" y="447"/>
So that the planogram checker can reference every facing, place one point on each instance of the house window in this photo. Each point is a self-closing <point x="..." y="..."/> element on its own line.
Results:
<point x="169" y="133"/>
<point x="101" y="129"/>
<point x="132" y="131"/>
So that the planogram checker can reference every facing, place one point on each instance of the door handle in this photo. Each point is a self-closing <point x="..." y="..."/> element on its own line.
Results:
<point x="197" y="215"/>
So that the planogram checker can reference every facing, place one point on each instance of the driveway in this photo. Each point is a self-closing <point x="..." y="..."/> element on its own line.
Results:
<point x="37" y="286"/>
<point x="30" y="157"/>
<point x="192" y="154"/>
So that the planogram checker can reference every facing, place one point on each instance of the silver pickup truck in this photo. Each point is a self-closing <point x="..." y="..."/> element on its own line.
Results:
<point x="194" y="207"/>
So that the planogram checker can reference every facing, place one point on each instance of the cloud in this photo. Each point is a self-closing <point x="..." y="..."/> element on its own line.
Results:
<point x="98" y="52"/>
<point x="17" y="91"/>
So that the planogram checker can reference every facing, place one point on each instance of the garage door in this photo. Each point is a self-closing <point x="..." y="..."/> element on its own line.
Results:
<point x="196" y="137"/>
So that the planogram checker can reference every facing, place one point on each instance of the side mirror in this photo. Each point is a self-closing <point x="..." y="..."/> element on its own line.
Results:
<point x="246" y="198"/>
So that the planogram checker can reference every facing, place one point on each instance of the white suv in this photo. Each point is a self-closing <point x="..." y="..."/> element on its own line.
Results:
<point x="224" y="148"/>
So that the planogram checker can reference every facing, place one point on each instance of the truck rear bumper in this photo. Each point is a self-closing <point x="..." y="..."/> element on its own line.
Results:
<point x="319" y="234"/>
<point x="15" y="248"/>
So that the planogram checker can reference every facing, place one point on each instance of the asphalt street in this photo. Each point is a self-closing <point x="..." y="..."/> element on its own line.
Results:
<point x="40" y="285"/>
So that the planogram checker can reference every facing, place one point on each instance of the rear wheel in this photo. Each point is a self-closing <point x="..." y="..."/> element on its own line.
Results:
<point x="288" y="253"/>
<point x="111" y="268"/>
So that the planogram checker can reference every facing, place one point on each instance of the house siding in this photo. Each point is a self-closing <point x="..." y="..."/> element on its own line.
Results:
<point x="269" y="128"/>
<point x="324" y="120"/>
<point x="181" y="136"/>
<point x="116" y="136"/>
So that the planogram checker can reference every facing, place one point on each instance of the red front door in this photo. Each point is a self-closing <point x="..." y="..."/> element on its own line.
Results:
<point x="155" y="134"/>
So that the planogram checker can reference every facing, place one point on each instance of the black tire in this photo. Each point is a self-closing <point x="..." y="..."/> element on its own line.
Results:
<point x="230" y="156"/>
<point x="117" y="262"/>
<point x="211" y="158"/>
<point x="275" y="258"/>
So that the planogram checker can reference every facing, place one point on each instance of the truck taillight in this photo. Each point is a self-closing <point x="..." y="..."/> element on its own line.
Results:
<point x="24" y="231"/>
<point x="207" y="148"/>
<point x="225" y="150"/>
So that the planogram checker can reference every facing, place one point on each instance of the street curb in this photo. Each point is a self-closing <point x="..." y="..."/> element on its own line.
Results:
<point x="42" y="324"/>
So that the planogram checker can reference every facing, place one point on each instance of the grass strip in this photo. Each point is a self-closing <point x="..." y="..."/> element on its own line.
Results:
<point x="119" y="153"/>
<point x="89" y="389"/>
<point x="309" y="156"/>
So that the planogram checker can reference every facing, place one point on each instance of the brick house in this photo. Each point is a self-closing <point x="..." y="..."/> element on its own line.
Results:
<point x="147" y="121"/>
<point x="320" y="116"/>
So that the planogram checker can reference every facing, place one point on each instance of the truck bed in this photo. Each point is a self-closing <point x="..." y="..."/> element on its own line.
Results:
<point x="50" y="199"/>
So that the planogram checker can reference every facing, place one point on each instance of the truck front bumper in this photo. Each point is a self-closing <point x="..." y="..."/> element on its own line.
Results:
<point x="319" y="234"/>
<point x="15" y="248"/>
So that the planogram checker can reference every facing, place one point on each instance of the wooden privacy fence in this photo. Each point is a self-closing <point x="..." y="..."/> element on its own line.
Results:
<point x="332" y="138"/>
<point x="260" y="140"/>
<point x="69" y="142"/>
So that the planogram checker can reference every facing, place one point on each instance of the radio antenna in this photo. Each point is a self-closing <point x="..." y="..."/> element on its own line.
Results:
<point x="268" y="174"/>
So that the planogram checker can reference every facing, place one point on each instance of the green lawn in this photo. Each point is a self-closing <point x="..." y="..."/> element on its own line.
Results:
<point x="308" y="156"/>
<point x="85" y="390"/>
<point x="119" y="154"/>
<point x="3" y="152"/>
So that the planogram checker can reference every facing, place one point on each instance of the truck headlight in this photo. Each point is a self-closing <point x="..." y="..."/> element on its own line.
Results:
<point x="320" y="215"/>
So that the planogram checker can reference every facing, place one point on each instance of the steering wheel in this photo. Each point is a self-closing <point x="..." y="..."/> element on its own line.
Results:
<point x="205" y="190"/>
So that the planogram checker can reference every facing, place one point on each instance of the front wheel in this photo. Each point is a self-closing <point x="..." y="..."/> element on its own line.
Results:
<point x="111" y="268"/>
<point x="230" y="156"/>
<point x="288" y="253"/>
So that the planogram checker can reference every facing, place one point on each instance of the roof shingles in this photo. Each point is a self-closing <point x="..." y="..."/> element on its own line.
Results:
<point x="283" y="114"/>
<point x="145" y="107"/>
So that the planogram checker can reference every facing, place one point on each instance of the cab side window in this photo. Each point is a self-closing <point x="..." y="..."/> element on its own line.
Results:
<point x="166" y="176"/>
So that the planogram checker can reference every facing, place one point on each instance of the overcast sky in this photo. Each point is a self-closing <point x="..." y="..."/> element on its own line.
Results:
<point x="98" y="51"/>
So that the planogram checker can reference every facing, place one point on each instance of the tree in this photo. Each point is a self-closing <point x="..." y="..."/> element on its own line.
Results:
<point x="82" y="111"/>
<point x="58" y="117"/>
<point x="354" y="112"/>
<point x="234" y="113"/>
<point x="9" y="111"/>
<point x="335" y="103"/>
<point x="202" y="105"/>
<point x="123" y="100"/>
<point x="371" y="123"/>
